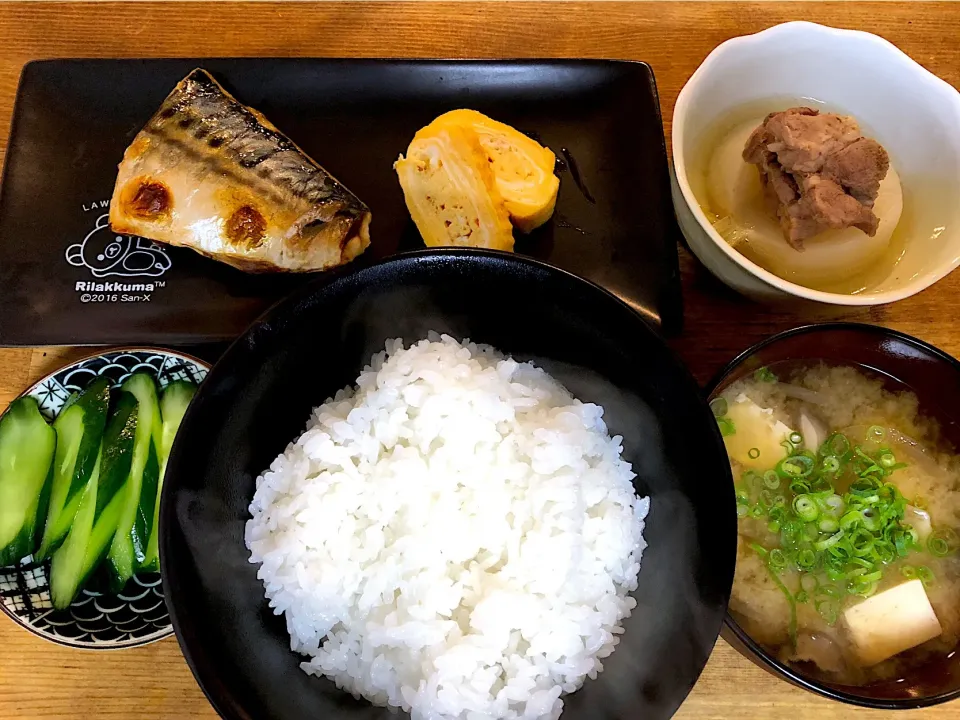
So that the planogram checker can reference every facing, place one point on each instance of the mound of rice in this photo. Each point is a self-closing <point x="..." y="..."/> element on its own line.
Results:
<point x="456" y="536"/>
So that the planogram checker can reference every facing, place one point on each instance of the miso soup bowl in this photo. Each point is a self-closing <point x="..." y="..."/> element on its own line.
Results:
<point x="934" y="376"/>
<point x="911" y="112"/>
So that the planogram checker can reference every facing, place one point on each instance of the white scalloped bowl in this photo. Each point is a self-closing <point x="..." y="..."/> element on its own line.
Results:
<point x="911" y="112"/>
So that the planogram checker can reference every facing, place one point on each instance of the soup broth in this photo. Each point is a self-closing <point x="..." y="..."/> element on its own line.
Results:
<point x="849" y="505"/>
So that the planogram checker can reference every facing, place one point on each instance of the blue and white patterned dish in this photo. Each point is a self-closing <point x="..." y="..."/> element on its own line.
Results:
<point x="96" y="620"/>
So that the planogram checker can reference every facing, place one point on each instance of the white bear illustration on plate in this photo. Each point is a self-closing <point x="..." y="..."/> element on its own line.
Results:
<point x="105" y="253"/>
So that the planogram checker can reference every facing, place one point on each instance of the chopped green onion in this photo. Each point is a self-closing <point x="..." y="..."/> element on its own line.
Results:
<point x="795" y="466"/>
<point x="854" y="517"/>
<point x="777" y="560"/>
<point x="788" y="540"/>
<point x="799" y="487"/>
<point x="805" y="508"/>
<point x="845" y="539"/>
<point x="835" y="504"/>
<point x="925" y="575"/>
<point x="777" y="512"/>
<point x="792" y="527"/>
<point x="764" y="374"/>
<point x="886" y="553"/>
<point x="830" y="464"/>
<point x="902" y="543"/>
<point x="834" y="573"/>
<point x="830" y="541"/>
<point x="908" y="571"/>
<point x="829" y="610"/>
<point x="727" y="428"/>
<point x="938" y="547"/>
<point x="836" y="445"/>
<point x="790" y="601"/>
<point x="768" y="497"/>
<point x="894" y="498"/>
<point x="828" y="525"/>
<point x="876" y="432"/>
<point x="839" y="552"/>
<point x="753" y="453"/>
<point x="942" y="542"/>
<point x="719" y="407"/>
<point x="866" y="486"/>
<point x="829" y="591"/>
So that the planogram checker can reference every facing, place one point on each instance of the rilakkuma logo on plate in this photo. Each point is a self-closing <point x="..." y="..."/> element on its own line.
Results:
<point x="105" y="253"/>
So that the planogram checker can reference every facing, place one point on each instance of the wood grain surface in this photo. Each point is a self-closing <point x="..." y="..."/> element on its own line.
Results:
<point x="41" y="680"/>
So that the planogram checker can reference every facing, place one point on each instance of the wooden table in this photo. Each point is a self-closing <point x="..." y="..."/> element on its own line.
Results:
<point x="41" y="680"/>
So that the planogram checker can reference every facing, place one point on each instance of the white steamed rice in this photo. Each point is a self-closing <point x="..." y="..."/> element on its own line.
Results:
<point x="456" y="536"/>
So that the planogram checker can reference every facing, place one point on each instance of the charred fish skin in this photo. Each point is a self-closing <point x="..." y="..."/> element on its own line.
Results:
<point x="209" y="173"/>
<point x="206" y="114"/>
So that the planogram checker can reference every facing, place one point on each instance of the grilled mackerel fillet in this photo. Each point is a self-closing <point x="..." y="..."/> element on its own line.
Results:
<point x="216" y="176"/>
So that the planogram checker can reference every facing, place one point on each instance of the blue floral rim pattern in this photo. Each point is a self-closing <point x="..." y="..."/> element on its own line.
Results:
<point x="97" y="619"/>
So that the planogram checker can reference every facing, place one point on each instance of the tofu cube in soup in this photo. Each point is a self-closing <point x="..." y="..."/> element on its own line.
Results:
<point x="892" y="621"/>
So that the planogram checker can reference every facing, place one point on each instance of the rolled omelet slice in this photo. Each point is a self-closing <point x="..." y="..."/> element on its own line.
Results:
<point x="450" y="190"/>
<point x="522" y="167"/>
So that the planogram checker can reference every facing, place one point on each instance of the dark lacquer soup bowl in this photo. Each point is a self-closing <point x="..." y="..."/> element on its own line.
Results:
<point x="259" y="396"/>
<point x="926" y="674"/>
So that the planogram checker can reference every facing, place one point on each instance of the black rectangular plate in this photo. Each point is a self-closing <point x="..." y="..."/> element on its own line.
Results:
<point x="66" y="279"/>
